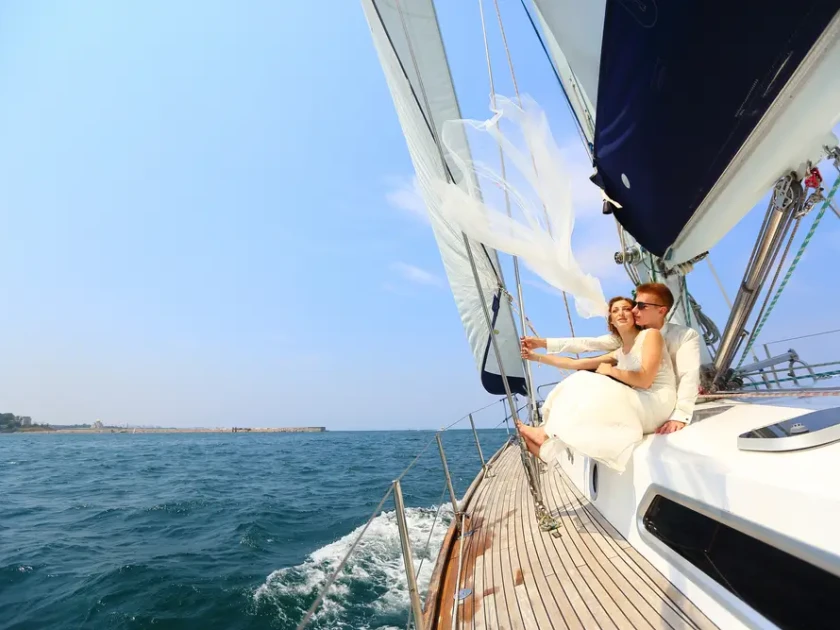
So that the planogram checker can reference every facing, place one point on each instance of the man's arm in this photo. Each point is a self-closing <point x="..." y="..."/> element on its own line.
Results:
<point x="687" y="368"/>
<point x="604" y="343"/>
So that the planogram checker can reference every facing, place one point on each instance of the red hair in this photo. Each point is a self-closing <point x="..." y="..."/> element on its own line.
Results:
<point x="662" y="292"/>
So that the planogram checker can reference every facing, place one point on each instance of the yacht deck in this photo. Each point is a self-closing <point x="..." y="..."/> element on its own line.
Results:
<point x="588" y="577"/>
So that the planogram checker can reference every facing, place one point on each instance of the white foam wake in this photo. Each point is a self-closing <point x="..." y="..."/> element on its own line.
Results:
<point x="372" y="584"/>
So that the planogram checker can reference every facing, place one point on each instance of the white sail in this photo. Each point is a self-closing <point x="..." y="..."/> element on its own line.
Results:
<point x="410" y="49"/>
<point x="572" y="33"/>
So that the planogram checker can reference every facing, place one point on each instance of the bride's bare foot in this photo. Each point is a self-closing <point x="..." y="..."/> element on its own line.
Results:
<point x="534" y="434"/>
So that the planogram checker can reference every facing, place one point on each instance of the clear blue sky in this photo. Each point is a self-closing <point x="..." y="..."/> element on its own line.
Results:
<point x="204" y="221"/>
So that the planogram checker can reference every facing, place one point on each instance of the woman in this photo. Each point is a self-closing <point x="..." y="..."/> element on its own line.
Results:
<point x="602" y="417"/>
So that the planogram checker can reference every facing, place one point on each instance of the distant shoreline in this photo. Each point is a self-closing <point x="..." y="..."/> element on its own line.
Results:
<point x="134" y="430"/>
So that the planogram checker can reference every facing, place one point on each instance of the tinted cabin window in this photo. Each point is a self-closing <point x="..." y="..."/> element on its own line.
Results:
<point x="786" y="590"/>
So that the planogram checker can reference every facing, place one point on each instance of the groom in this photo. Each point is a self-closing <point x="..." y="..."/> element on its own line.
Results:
<point x="653" y="301"/>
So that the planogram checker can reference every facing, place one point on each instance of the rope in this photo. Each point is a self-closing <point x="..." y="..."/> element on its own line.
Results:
<point x="790" y="270"/>
<point x="791" y="393"/>
<point x="341" y="564"/>
<point x="764" y="305"/>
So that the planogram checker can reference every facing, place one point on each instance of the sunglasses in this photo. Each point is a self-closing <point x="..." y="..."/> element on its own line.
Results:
<point x="643" y="305"/>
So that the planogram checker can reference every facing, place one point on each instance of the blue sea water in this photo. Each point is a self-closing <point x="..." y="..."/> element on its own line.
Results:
<point x="216" y="530"/>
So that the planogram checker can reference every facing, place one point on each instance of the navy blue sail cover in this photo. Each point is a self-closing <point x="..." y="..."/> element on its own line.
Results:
<point x="682" y="84"/>
<point x="493" y="383"/>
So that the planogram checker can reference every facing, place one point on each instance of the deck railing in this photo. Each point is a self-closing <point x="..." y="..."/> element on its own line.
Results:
<point x="395" y="489"/>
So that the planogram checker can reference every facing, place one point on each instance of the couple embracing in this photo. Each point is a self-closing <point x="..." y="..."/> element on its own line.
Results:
<point x="646" y="382"/>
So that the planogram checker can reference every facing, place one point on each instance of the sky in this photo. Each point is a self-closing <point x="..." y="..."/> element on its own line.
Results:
<point x="207" y="219"/>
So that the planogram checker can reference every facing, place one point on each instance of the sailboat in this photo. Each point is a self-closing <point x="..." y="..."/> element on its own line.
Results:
<point x="731" y="522"/>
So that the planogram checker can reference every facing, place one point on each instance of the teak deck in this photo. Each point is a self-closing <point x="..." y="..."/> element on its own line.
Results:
<point x="522" y="578"/>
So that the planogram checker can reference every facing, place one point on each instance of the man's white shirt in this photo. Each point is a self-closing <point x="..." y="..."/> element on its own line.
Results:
<point x="683" y="345"/>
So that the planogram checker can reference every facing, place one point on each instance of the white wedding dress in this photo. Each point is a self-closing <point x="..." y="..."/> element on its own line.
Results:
<point x="603" y="418"/>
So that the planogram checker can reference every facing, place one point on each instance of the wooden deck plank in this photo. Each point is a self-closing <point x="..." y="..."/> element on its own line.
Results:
<point x="524" y="579"/>
<point x="484" y="611"/>
<point x="554" y="595"/>
<point x="603" y="597"/>
<point x="503" y="473"/>
<point x="444" y="581"/>
<point x="670" y="591"/>
<point x="587" y="606"/>
<point x="471" y="611"/>
<point x="469" y="608"/>
<point x="670" y="617"/>
<point x="506" y="542"/>
<point x="625" y="591"/>
<point x="645" y="570"/>
<point x="545" y="608"/>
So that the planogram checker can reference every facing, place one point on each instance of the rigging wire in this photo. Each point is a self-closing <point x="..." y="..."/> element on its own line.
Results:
<point x="762" y="320"/>
<point x="501" y="153"/>
<point x="588" y="146"/>
<point x="305" y="621"/>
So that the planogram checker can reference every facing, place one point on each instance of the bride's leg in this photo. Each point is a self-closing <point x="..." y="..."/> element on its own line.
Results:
<point x="537" y="435"/>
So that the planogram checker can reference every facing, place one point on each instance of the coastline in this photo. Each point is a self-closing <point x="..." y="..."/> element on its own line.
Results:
<point x="134" y="430"/>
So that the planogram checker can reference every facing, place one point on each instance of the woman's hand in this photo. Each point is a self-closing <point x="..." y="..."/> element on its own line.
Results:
<point x="605" y="369"/>
<point x="532" y="343"/>
<point x="529" y="355"/>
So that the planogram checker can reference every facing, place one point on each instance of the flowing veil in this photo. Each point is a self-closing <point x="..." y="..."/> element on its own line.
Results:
<point x="537" y="227"/>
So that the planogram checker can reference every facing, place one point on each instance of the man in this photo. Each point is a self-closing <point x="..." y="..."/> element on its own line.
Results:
<point x="653" y="301"/>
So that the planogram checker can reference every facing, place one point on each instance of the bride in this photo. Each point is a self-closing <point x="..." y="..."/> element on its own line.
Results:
<point x="605" y="414"/>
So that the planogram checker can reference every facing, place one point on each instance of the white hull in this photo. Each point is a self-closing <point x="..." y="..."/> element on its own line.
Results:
<point x="789" y="500"/>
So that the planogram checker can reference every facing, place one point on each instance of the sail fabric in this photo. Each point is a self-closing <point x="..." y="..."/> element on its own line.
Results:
<point x="674" y="111"/>
<point x="572" y="32"/>
<point x="538" y="225"/>
<point x="696" y="114"/>
<point x="410" y="50"/>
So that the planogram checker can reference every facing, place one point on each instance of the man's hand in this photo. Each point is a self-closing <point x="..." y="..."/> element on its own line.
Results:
<point x="532" y="343"/>
<point x="604" y="368"/>
<point x="670" y="427"/>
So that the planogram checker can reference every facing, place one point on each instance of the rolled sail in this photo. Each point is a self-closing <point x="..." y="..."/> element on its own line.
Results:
<point x="410" y="49"/>
<point x="696" y="115"/>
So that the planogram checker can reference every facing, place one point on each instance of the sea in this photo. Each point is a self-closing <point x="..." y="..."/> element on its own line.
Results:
<point x="230" y="531"/>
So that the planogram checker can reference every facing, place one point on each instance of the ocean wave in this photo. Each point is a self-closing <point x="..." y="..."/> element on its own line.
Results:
<point x="372" y="585"/>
